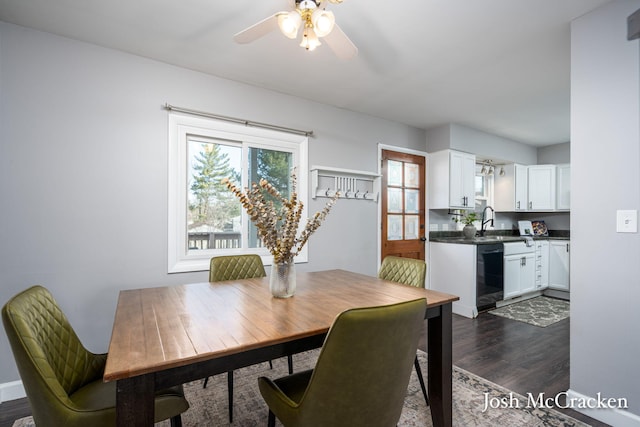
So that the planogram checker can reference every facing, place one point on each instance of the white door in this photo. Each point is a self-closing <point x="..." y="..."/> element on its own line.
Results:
<point x="559" y="264"/>
<point x="542" y="187"/>
<point x="512" y="276"/>
<point x="528" y="274"/>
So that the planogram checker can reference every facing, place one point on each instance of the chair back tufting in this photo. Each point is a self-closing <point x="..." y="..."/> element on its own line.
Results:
<point x="50" y="357"/>
<point x="235" y="267"/>
<point x="407" y="271"/>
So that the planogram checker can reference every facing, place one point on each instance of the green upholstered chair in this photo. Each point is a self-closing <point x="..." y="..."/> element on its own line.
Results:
<point x="362" y="372"/>
<point x="410" y="272"/>
<point x="234" y="267"/>
<point x="407" y="271"/>
<point x="62" y="379"/>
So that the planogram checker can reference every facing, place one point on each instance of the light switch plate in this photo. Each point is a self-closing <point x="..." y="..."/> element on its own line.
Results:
<point x="627" y="221"/>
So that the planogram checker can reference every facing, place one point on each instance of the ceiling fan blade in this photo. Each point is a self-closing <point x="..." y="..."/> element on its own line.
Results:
<point x="341" y="45"/>
<point x="257" y="30"/>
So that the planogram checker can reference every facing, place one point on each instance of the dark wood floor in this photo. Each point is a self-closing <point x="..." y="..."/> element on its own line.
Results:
<point x="515" y="355"/>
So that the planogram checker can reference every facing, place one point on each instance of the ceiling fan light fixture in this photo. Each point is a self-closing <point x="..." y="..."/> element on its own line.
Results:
<point x="323" y="22"/>
<point x="289" y="23"/>
<point x="310" y="40"/>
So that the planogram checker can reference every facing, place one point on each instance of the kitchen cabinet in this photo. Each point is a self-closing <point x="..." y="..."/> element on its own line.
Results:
<point x="518" y="275"/>
<point x="529" y="188"/>
<point x="541" y="187"/>
<point x="542" y="265"/>
<point x="563" y="187"/>
<point x="559" y="251"/>
<point x="510" y="190"/>
<point x="452" y="180"/>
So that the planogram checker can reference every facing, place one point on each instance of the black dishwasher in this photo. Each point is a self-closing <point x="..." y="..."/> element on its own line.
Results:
<point x="489" y="275"/>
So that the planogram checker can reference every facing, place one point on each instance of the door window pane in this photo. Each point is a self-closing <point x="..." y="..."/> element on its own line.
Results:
<point x="411" y="201"/>
<point x="213" y="213"/>
<point x="394" y="200"/>
<point x="411" y="227"/>
<point x="394" y="227"/>
<point x="411" y="175"/>
<point x="394" y="173"/>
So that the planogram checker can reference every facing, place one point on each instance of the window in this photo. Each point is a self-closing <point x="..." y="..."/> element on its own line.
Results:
<point x="207" y="220"/>
<point x="484" y="189"/>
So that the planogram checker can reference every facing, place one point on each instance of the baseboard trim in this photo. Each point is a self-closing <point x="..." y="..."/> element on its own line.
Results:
<point x="464" y="310"/>
<point x="612" y="416"/>
<point x="11" y="391"/>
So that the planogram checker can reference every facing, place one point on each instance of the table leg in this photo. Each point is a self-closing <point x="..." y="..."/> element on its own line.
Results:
<point x="439" y="347"/>
<point x="135" y="401"/>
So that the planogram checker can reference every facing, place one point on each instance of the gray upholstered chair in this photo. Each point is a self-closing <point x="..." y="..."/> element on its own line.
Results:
<point x="234" y="267"/>
<point x="411" y="272"/>
<point x="362" y="372"/>
<point x="62" y="379"/>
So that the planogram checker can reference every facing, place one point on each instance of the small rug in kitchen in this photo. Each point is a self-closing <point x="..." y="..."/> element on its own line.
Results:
<point x="540" y="311"/>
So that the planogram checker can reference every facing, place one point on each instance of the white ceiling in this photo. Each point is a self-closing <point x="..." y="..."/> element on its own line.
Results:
<point x="501" y="66"/>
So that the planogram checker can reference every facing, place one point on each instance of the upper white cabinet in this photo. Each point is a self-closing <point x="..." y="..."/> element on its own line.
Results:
<point x="563" y="187"/>
<point x="542" y="187"/>
<point x="510" y="193"/>
<point x="535" y="188"/>
<point x="452" y="180"/>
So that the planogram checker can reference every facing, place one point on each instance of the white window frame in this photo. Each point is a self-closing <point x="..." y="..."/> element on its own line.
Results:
<point x="488" y="187"/>
<point x="180" y="258"/>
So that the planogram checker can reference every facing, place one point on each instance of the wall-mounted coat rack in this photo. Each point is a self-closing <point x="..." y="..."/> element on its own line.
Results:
<point x="352" y="184"/>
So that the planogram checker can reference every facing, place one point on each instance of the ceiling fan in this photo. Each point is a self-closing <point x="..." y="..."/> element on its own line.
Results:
<point x="316" y="22"/>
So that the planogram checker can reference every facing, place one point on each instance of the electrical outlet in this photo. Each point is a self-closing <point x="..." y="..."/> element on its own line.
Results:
<point x="627" y="221"/>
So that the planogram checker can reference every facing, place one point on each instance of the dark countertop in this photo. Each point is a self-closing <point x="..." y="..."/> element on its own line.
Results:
<point x="491" y="238"/>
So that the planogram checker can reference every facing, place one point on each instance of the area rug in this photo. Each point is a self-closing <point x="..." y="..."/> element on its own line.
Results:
<point x="540" y="311"/>
<point x="470" y="394"/>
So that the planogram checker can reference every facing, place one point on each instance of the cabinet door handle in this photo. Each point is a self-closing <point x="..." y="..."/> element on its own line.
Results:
<point x="530" y="205"/>
<point x="518" y="205"/>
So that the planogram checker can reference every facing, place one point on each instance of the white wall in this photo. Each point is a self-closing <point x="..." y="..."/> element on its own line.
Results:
<point x="554" y="154"/>
<point x="605" y="168"/>
<point x="482" y="144"/>
<point x="83" y="172"/>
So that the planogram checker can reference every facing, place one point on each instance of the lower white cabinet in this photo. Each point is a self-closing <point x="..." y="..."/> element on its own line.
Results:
<point x="519" y="273"/>
<point x="559" y="264"/>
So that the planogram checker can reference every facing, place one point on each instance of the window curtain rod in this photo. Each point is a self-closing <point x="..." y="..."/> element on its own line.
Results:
<point x="170" y="107"/>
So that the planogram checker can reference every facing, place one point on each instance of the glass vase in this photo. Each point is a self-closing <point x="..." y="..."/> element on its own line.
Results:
<point x="282" y="281"/>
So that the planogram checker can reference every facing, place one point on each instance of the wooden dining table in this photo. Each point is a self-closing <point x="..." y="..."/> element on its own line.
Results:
<point x="165" y="336"/>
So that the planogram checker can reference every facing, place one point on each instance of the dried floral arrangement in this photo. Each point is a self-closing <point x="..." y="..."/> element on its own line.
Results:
<point x="278" y="227"/>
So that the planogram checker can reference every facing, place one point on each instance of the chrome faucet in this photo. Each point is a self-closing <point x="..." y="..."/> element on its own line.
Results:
<point x="483" y="223"/>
